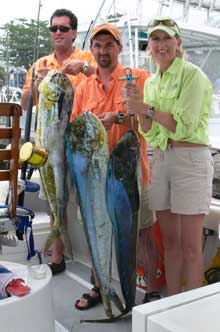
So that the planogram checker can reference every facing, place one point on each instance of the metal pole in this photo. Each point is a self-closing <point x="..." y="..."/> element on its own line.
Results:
<point x="92" y="24"/>
<point x="27" y="129"/>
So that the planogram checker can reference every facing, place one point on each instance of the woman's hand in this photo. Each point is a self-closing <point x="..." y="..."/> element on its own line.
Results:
<point x="133" y="99"/>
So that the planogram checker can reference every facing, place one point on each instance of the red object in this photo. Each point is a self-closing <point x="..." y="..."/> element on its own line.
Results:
<point x="141" y="277"/>
<point x="16" y="287"/>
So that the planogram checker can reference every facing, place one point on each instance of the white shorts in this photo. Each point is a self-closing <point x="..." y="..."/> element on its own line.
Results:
<point x="181" y="180"/>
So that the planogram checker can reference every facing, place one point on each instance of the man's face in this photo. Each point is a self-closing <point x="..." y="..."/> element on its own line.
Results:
<point x="62" y="40"/>
<point x="105" y="50"/>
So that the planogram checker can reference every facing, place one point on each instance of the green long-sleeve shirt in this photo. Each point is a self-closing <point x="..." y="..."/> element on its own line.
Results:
<point x="185" y="92"/>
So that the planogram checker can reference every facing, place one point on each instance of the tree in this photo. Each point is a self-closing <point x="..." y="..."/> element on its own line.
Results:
<point x="18" y="42"/>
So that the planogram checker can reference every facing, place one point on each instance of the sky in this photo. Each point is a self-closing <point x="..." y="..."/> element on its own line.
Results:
<point x="29" y="8"/>
<point x="85" y="10"/>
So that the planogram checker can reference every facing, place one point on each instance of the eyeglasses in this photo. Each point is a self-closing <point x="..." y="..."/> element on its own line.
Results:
<point x="62" y="28"/>
<point x="166" y="22"/>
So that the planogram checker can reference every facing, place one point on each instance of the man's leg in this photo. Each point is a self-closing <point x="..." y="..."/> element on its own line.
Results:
<point x="147" y="249"/>
<point x="57" y="264"/>
<point x="91" y="299"/>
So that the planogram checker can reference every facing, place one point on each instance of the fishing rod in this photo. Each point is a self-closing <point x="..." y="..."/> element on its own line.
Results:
<point x="92" y="24"/>
<point x="27" y="129"/>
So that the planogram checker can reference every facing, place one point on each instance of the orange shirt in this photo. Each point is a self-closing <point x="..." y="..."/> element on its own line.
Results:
<point x="91" y="96"/>
<point x="51" y="63"/>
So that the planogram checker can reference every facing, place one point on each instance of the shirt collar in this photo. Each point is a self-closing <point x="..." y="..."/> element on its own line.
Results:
<point x="173" y="68"/>
<point x="117" y="72"/>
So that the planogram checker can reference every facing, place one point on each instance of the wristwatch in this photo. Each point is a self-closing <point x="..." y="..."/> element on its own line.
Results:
<point x="150" y="113"/>
<point x="120" y="119"/>
<point x="85" y="67"/>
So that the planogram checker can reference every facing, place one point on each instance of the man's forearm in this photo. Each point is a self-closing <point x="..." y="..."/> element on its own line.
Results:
<point x="25" y="99"/>
<point x="27" y="94"/>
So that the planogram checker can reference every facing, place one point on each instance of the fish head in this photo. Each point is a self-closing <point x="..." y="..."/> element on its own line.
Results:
<point x="87" y="134"/>
<point x="53" y="88"/>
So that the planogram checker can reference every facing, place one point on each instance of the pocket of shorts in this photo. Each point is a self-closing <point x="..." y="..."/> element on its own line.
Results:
<point x="156" y="157"/>
<point x="199" y="158"/>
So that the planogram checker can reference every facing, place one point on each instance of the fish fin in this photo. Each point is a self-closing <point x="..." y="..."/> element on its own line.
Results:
<point x="68" y="245"/>
<point x="104" y="320"/>
<point x="117" y="301"/>
<point x="55" y="234"/>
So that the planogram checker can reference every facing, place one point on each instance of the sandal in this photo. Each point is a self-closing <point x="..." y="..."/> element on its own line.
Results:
<point x="91" y="301"/>
<point x="151" y="296"/>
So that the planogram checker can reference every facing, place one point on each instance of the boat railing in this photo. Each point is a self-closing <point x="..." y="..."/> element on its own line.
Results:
<point x="9" y="94"/>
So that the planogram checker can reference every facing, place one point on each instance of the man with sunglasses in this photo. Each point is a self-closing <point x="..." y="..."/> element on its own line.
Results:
<point x="76" y="64"/>
<point x="67" y="58"/>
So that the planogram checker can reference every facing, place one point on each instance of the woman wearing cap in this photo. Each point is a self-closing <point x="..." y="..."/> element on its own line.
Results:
<point x="174" y="120"/>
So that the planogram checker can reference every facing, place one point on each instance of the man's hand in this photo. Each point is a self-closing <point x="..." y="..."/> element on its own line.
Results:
<point x="73" y="67"/>
<point x="42" y="72"/>
<point x="107" y="119"/>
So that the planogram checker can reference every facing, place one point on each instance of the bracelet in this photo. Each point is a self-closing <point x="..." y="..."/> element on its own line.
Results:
<point x="150" y="113"/>
<point x="85" y="68"/>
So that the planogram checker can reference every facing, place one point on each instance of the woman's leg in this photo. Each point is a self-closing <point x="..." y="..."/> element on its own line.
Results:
<point x="192" y="226"/>
<point x="170" y="227"/>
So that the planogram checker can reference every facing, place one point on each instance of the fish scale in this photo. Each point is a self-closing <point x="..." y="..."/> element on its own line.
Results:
<point x="88" y="155"/>
<point x="54" y="108"/>
<point x="123" y="187"/>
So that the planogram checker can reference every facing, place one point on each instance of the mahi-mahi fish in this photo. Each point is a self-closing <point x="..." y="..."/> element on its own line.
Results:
<point x="123" y="187"/>
<point x="88" y="155"/>
<point x="55" y="105"/>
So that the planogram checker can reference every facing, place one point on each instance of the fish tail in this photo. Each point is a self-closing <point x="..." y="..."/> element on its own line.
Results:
<point x="107" y="305"/>
<point x="66" y="240"/>
<point x="117" y="301"/>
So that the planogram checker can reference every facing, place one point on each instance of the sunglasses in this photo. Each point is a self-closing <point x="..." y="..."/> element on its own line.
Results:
<point x="166" y="22"/>
<point x="62" y="28"/>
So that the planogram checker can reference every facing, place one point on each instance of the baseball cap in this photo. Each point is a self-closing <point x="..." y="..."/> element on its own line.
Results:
<point x="112" y="29"/>
<point x="165" y="24"/>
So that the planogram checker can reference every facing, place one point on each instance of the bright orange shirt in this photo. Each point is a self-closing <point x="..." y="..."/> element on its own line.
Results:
<point x="91" y="96"/>
<point x="51" y="63"/>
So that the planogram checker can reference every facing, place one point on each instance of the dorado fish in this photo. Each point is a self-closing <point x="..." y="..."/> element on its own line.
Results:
<point x="123" y="183"/>
<point x="87" y="154"/>
<point x="55" y="105"/>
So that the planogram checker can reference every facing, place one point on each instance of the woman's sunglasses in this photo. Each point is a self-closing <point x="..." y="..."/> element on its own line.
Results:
<point x="62" y="28"/>
<point x="166" y="22"/>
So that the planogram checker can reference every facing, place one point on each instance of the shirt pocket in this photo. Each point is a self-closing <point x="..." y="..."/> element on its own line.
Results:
<point x="169" y="96"/>
<point x="118" y="105"/>
<point x="91" y="107"/>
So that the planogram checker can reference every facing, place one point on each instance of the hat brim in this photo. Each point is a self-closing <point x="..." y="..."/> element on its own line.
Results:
<point x="100" y="29"/>
<point x="170" y="31"/>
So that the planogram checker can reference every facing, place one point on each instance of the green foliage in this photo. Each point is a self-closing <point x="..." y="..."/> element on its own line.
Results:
<point x="18" y="42"/>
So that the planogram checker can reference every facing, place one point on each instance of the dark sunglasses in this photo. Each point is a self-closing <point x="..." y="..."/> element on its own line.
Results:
<point x="62" y="28"/>
<point x="166" y="22"/>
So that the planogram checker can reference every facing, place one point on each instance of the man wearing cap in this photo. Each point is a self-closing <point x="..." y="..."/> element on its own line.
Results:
<point x="174" y="120"/>
<point x="76" y="64"/>
<point x="102" y="94"/>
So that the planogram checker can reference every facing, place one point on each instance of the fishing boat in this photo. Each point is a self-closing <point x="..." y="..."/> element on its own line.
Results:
<point x="202" y="45"/>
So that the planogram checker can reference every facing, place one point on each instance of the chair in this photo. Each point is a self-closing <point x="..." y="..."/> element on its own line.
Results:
<point x="12" y="215"/>
<point x="14" y="111"/>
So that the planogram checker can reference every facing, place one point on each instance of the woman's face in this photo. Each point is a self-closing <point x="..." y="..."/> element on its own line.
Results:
<point x="164" y="48"/>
